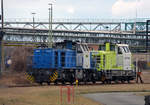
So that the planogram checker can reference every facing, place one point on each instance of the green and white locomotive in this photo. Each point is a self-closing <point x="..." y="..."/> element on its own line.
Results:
<point x="115" y="63"/>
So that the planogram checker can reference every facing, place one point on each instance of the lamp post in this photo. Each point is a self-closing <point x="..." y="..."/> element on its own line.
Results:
<point x="33" y="25"/>
<point x="147" y="34"/>
<point x="2" y="14"/>
<point x="1" y="35"/>
<point x="33" y="18"/>
<point x="50" y="37"/>
<point x="136" y="15"/>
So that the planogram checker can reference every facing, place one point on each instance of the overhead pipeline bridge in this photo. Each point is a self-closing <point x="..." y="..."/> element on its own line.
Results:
<point x="131" y="31"/>
<point x="113" y="25"/>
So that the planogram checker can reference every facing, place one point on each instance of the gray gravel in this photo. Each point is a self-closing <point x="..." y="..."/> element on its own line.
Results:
<point x="117" y="98"/>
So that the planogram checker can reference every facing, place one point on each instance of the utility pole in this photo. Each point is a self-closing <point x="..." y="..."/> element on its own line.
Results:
<point x="2" y="13"/>
<point x="147" y="34"/>
<point x="34" y="37"/>
<point x="134" y="30"/>
<point x="1" y="34"/>
<point x="50" y="35"/>
<point x="33" y="19"/>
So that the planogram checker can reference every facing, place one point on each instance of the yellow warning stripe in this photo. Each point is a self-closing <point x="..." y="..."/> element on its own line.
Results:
<point x="29" y="77"/>
<point x="54" y="76"/>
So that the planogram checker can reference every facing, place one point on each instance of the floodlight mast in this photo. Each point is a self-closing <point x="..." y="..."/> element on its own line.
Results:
<point x="1" y="34"/>
<point x="50" y="35"/>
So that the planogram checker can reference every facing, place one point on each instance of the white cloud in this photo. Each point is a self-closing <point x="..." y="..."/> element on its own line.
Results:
<point x="76" y="8"/>
<point x="61" y="8"/>
<point x="127" y="8"/>
<point x="123" y="8"/>
<point x="70" y="10"/>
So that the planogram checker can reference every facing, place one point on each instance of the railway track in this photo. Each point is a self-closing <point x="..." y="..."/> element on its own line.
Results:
<point x="67" y="84"/>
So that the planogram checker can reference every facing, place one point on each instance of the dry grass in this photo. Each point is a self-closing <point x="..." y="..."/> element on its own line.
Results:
<point x="49" y="95"/>
<point x="146" y="76"/>
<point x="38" y="96"/>
<point x="12" y="79"/>
<point x="143" y="93"/>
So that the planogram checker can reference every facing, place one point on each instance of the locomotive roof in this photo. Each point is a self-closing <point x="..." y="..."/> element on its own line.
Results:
<point x="122" y="44"/>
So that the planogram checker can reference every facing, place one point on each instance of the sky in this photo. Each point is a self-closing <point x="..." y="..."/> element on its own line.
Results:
<point x="78" y="8"/>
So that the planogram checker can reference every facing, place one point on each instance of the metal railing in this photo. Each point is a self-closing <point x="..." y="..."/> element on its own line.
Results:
<point x="77" y="20"/>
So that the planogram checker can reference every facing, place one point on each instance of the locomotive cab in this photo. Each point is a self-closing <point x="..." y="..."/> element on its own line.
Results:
<point x="123" y="56"/>
<point x="114" y="62"/>
<point x="84" y="56"/>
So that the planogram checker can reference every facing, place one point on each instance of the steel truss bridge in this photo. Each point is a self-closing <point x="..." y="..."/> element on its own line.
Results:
<point x="114" y="25"/>
<point x="97" y="31"/>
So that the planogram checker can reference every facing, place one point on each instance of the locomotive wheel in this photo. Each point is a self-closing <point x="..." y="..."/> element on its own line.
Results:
<point x="122" y="81"/>
<point x="116" y="81"/>
<point x="63" y="82"/>
<point x="48" y="83"/>
<point x="85" y="81"/>
<point x="93" y="81"/>
<point x="72" y="78"/>
<point x="108" y="81"/>
<point x="55" y="82"/>
<point x="103" y="79"/>
<point x="103" y="82"/>
<point x="41" y="83"/>
<point x="79" y="82"/>
<point x="128" y="81"/>
<point x="71" y="82"/>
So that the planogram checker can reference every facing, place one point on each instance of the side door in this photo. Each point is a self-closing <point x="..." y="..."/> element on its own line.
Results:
<point x="119" y="56"/>
<point x="126" y="58"/>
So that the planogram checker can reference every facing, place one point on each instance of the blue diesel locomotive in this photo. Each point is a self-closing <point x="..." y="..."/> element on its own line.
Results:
<point x="63" y="63"/>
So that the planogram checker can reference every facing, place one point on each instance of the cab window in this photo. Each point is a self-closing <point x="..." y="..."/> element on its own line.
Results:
<point x="119" y="50"/>
<point x="126" y="49"/>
